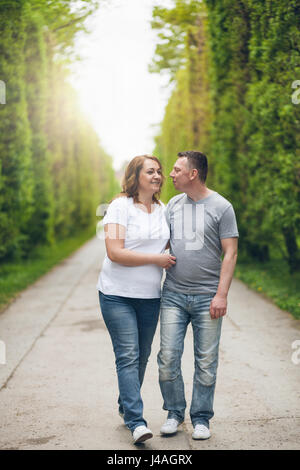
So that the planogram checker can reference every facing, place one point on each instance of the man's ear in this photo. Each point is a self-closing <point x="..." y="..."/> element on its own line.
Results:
<point x="194" y="173"/>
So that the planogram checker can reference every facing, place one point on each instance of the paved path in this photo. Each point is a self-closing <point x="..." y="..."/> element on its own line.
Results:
<point x="58" y="389"/>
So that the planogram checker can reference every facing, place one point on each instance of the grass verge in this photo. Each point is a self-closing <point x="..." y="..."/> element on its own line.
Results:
<point x="274" y="280"/>
<point x="17" y="275"/>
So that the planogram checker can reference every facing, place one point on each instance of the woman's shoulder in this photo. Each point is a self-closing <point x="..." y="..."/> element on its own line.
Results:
<point x="121" y="201"/>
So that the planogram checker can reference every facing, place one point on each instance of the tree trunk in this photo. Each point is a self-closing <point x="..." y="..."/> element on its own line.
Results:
<point x="292" y="249"/>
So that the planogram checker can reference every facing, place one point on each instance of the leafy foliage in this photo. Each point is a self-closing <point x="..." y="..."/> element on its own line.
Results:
<point x="53" y="171"/>
<point x="187" y="117"/>
<point x="233" y="100"/>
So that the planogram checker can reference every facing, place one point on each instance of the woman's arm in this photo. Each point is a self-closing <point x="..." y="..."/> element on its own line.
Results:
<point x="114" y="241"/>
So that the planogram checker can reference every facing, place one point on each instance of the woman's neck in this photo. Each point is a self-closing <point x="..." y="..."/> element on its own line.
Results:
<point x="146" y="199"/>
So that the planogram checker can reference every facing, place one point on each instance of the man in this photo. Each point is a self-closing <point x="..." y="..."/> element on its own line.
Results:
<point x="203" y="226"/>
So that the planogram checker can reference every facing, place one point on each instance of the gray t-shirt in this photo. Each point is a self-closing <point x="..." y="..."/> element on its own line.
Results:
<point x="196" y="232"/>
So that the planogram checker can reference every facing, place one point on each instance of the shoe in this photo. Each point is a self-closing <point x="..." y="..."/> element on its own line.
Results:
<point x="201" y="432"/>
<point x="141" y="434"/>
<point x="170" y="426"/>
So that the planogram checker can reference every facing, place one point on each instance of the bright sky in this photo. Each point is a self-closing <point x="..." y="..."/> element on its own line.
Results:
<point x="123" y="101"/>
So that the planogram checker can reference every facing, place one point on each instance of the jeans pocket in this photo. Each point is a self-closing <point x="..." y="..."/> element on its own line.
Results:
<point x="171" y="299"/>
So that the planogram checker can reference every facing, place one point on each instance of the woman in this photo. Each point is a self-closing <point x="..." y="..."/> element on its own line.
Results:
<point x="136" y="235"/>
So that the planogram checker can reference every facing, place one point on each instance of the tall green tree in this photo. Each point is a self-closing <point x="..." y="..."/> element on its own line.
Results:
<point x="16" y="187"/>
<point x="238" y="87"/>
<point x="54" y="172"/>
<point x="36" y="80"/>
<point x="186" y="124"/>
<point x="255" y="143"/>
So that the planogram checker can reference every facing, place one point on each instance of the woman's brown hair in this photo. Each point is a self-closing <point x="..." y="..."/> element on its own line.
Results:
<point x="130" y="181"/>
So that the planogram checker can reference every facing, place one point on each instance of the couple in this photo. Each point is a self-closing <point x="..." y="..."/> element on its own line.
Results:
<point x="198" y="226"/>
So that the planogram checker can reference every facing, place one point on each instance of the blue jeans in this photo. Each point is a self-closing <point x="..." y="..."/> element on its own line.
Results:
<point x="131" y="324"/>
<point x="177" y="311"/>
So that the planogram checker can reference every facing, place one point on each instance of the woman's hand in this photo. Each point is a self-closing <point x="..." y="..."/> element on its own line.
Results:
<point x="165" y="261"/>
<point x="114" y="239"/>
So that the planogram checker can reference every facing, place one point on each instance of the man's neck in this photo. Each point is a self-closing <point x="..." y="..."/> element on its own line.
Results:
<point x="198" y="192"/>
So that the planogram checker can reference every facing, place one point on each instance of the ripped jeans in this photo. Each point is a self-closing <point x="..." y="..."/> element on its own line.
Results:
<point x="177" y="311"/>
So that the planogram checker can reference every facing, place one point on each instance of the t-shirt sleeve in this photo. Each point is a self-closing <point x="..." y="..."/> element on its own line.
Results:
<point x="167" y="213"/>
<point x="228" y="226"/>
<point x="116" y="212"/>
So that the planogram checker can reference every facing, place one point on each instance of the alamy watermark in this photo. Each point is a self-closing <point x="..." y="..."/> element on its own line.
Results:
<point x="2" y="92"/>
<point x="296" y="354"/>
<point x="295" y="99"/>
<point x="2" y="353"/>
<point x="183" y="226"/>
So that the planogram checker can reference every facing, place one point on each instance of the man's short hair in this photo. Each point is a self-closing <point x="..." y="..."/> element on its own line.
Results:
<point x="197" y="160"/>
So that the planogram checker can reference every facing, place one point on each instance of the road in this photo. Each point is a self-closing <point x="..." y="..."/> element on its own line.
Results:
<point x="58" y="388"/>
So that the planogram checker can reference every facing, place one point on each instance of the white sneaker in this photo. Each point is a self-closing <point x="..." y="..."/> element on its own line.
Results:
<point x="141" y="434"/>
<point x="201" y="432"/>
<point x="170" y="426"/>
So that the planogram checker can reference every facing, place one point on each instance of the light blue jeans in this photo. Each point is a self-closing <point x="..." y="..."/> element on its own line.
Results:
<point x="177" y="311"/>
<point x="131" y="324"/>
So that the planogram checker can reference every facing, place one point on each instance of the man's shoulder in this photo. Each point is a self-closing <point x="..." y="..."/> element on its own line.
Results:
<point x="220" y="202"/>
<point x="178" y="199"/>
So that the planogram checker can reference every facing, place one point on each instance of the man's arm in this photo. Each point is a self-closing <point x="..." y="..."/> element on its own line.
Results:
<point x="218" y="304"/>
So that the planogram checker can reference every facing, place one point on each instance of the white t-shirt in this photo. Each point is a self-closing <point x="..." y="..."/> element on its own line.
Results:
<point x="145" y="233"/>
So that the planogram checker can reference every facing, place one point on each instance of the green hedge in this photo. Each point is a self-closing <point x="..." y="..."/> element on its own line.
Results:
<point x="53" y="171"/>
<point x="233" y="63"/>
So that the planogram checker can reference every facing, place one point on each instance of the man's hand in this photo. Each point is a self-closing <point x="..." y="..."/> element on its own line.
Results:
<point x="218" y="306"/>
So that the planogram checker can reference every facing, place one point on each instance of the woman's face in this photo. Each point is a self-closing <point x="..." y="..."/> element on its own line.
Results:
<point x="150" y="177"/>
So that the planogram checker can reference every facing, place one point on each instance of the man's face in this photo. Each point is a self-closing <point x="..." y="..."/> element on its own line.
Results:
<point x="181" y="174"/>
